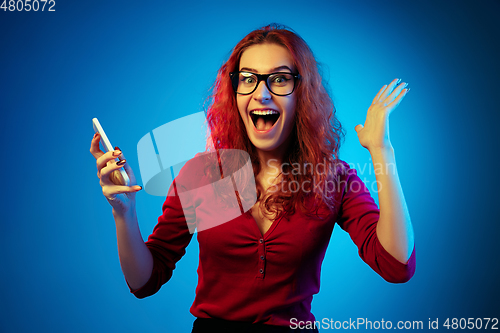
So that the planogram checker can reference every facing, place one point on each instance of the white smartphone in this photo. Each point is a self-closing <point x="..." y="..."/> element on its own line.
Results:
<point x="108" y="147"/>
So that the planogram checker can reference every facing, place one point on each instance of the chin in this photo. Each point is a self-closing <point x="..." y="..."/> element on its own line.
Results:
<point x="267" y="145"/>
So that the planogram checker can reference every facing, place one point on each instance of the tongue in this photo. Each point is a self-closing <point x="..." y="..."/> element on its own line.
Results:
<point x="263" y="125"/>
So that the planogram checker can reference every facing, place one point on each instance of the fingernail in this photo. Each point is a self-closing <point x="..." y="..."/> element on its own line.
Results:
<point x="117" y="153"/>
<point x="121" y="162"/>
<point x="95" y="135"/>
<point x="408" y="90"/>
<point x="406" y="85"/>
<point x="140" y="187"/>
<point x="399" y="80"/>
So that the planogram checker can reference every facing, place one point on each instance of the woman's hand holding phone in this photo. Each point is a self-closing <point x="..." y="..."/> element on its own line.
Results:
<point x="135" y="258"/>
<point x="120" y="196"/>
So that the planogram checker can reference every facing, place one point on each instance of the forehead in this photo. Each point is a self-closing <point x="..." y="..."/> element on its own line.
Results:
<point x="264" y="58"/>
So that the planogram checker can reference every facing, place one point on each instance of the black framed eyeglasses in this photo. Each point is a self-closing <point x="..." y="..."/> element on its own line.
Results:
<point x="280" y="83"/>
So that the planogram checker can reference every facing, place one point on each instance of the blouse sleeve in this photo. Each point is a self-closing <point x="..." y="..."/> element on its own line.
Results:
<point x="359" y="215"/>
<point x="167" y="243"/>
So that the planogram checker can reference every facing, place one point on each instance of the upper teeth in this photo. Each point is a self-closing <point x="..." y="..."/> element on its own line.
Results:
<point x="264" y="112"/>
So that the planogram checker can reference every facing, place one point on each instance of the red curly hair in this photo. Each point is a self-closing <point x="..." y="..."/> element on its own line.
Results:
<point x="316" y="136"/>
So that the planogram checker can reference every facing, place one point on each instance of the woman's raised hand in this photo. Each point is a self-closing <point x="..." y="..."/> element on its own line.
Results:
<point x="375" y="132"/>
<point x="120" y="197"/>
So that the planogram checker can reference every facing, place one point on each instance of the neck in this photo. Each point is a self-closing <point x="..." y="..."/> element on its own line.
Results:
<point x="271" y="160"/>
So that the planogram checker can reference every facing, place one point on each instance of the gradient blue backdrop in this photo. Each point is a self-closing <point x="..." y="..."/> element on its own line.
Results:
<point x="138" y="65"/>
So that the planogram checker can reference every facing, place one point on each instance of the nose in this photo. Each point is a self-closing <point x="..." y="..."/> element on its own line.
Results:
<point x="262" y="94"/>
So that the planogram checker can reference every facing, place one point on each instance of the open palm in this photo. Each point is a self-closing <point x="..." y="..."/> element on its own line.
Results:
<point x="374" y="134"/>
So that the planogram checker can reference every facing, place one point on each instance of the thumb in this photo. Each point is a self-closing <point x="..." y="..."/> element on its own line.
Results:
<point x="358" y="128"/>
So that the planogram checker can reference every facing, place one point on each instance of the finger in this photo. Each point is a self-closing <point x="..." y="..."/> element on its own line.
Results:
<point x="128" y="169"/>
<point x="94" y="146"/>
<point x="120" y="157"/>
<point x="396" y="92"/>
<point x="130" y="174"/>
<point x="110" y="192"/>
<point x="389" y="89"/>
<point x="375" y="100"/>
<point x="398" y="99"/>
<point x="358" y="128"/>
<point x="105" y="158"/>
<point x="110" y="175"/>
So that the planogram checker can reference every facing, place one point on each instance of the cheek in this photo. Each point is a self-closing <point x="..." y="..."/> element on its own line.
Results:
<point x="291" y="111"/>
<point x="242" y="106"/>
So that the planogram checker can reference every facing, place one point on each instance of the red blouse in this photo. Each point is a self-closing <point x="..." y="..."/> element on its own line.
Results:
<point x="271" y="278"/>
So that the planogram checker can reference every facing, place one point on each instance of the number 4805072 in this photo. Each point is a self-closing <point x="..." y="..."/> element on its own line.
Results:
<point x="28" y="5"/>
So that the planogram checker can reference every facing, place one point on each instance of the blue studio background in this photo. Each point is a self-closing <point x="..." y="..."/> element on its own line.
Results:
<point x="138" y="65"/>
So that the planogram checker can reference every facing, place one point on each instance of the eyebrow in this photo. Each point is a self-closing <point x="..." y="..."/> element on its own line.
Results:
<point x="275" y="69"/>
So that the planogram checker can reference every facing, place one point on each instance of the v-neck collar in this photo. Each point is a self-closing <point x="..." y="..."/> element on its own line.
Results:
<point x="273" y="226"/>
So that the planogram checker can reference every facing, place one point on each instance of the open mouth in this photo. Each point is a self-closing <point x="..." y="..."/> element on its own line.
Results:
<point x="264" y="120"/>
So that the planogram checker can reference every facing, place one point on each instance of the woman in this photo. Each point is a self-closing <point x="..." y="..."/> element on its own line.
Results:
<point x="259" y="271"/>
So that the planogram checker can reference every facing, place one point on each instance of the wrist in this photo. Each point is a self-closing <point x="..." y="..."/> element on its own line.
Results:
<point x="383" y="159"/>
<point x="123" y="213"/>
<point x="384" y="152"/>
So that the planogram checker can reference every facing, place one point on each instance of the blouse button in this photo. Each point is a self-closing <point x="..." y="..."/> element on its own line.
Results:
<point x="261" y="271"/>
<point x="261" y="240"/>
<point x="262" y="257"/>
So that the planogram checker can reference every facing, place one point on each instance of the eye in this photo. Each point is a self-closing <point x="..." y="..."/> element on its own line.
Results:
<point x="280" y="79"/>
<point x="247" y="78"/>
